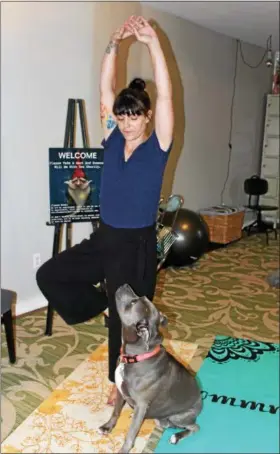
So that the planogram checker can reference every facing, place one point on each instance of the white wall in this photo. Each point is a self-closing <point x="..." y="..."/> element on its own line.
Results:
<point x="202" y="69"/>
<point x="49" y="52"/>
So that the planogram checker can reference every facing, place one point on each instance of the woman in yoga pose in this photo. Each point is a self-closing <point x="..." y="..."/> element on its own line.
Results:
<point x="123" y="248"/>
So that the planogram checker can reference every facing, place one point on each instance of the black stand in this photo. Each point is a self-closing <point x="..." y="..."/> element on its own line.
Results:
<point x="7" y="319"/>
<point x="259" y="226"/>
<point x="69" y="142"/>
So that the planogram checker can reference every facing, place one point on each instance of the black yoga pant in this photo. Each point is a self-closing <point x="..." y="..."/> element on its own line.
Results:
<point x="118" y="255"/>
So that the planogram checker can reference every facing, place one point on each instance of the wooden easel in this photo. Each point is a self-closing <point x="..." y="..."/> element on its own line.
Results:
<point x="69" y="142"/>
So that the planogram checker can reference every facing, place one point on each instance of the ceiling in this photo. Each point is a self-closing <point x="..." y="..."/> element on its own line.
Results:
<point x="249" y="21"/>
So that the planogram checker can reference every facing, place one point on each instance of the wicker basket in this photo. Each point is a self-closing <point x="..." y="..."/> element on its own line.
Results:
<point x="224" y="227"/>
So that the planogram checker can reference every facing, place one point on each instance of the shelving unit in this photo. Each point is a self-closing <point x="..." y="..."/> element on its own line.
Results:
<point x="271" y="157"/>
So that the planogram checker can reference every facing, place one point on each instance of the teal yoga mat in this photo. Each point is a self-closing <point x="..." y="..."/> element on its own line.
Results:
<point x="240" y="390"/>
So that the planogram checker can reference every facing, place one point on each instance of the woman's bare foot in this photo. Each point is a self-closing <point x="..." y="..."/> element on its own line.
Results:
<point x="112" y="396"/>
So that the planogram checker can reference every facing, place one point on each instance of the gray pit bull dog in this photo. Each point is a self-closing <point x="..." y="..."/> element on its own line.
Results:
<point x="148" y="378"/>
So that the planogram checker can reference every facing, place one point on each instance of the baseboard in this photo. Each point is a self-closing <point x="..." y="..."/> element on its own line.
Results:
<point x="249" y="218"/>
<point x="247" y="223"/>
<point x="30" y="305"/>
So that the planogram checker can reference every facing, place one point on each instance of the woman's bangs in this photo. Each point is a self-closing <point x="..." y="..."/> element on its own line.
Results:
<point x="126" y="105"/>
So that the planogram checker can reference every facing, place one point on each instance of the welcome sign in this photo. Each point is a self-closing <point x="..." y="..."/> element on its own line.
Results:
<point x="74" y="184"/>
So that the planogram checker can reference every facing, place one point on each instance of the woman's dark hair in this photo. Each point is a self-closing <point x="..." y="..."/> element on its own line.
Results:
<point x="133" y="100"/>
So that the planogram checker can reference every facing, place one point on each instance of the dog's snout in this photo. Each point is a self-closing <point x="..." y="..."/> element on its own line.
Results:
<point x="125" y="289"/>
<point x="124" y="295"/>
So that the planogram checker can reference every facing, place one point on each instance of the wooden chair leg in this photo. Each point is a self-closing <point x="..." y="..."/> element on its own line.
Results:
<point x="8" y="324"/>
<point x="49" y="323"/>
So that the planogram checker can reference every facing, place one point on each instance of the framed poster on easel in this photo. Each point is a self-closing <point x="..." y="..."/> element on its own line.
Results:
<point x="74" y="177"/>
<point x="74" y="184"/>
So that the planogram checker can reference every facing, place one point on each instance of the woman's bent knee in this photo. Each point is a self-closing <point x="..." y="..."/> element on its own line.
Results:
<point x="45" y="274"/>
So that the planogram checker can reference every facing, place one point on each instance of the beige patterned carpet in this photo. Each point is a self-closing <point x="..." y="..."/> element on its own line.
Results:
<point x="68" y="420"/>
<point x="225" y="293"/>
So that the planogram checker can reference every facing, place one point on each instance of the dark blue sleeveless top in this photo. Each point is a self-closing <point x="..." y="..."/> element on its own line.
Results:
<point x="130" y="190"/>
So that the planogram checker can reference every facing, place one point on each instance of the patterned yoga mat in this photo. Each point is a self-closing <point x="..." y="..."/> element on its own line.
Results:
<point x="67" y="421"/>
<point x="240" y="390"/>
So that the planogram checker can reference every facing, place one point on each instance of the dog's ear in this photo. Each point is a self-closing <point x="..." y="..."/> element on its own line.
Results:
<point x="143" y="331"/>
<point x="163" y="321"/>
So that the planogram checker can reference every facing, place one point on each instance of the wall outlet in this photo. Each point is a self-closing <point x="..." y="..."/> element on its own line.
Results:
<point x="36" y="260"/>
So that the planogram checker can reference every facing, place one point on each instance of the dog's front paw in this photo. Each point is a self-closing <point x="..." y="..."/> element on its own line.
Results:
<point x="106" y="428"/>
<point x="124" y="450"/>
<point x="173" y="440"/>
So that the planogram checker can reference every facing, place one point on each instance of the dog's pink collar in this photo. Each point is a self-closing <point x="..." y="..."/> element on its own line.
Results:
<point x="130" y="359"/>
